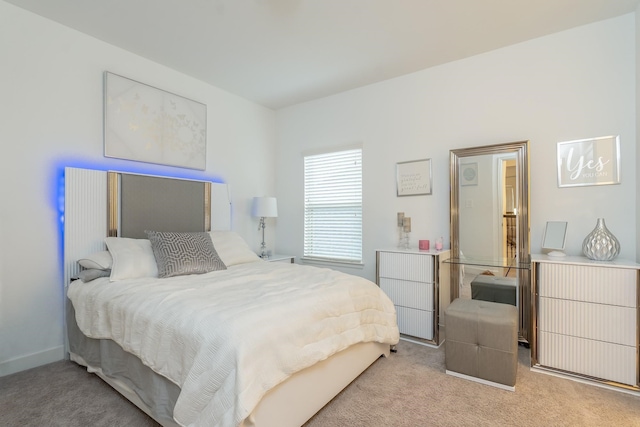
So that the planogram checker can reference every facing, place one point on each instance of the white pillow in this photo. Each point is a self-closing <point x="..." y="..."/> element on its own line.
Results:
<point x="232" y="248"/>
<point x="100" y="260"/>
<point x="132" y="258"/>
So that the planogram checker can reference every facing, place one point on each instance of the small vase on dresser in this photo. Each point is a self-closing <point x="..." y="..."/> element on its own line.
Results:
<point x="600" y="244"/>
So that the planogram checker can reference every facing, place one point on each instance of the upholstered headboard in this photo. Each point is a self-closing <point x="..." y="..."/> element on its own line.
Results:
<point x="100" y="204"/>
<point x="141" y="202"/>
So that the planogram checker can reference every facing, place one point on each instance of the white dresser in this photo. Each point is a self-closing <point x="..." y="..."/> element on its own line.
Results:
<point x="419" y="288"/>
<point x="586" y="318"/>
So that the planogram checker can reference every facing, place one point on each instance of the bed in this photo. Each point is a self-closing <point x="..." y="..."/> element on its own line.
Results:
<point x="228" y="340"/>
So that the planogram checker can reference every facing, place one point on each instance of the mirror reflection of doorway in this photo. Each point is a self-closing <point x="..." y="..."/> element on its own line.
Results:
<point x="508" y="202"/>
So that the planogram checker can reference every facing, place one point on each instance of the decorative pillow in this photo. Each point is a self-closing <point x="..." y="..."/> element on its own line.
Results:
<point x="184" y="253"/>
<point x="92" y="274"/>
<point x="132" y="258"/>
<point x="99" y="260"/>
<point x="232" y="248"/>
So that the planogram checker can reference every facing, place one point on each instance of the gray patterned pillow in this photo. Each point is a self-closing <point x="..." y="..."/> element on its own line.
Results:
<point x="184" y="253"/>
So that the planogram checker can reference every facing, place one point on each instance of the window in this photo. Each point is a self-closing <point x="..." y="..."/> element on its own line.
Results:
<point x="333" y="206"/>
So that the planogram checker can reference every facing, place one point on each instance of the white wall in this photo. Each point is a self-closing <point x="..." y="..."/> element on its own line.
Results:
<point x="51" y="109"/>
<point x="571" y="85"/>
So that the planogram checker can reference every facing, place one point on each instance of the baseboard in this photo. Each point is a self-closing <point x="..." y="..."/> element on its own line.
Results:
<point x="33" y="360"/>
<point x="609" y="385"/>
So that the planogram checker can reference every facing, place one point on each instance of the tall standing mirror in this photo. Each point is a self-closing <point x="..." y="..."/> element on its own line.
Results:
<point x="490" y="256"/>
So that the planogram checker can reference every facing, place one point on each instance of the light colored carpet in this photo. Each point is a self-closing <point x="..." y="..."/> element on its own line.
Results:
<point x="64" y="394"/>
<point x="409" y="388"/>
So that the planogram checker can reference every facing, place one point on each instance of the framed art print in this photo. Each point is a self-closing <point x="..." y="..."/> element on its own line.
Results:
<point x="593" y="161"/>
<point x="413" y="178"/>
<point x="146" y="124"/>
<point x="468" y="174"/>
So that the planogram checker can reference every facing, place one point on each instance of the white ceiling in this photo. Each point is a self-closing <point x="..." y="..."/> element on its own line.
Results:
<point x="282" y="52"/>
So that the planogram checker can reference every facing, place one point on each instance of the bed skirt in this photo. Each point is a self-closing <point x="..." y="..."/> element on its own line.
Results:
<point x="107" y="359"/>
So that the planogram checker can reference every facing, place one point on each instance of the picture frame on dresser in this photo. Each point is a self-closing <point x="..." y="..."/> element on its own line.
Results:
<point x="554" y="238"/>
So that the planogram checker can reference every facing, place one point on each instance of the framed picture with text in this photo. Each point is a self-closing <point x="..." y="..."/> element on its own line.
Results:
<point x="413" y="178"/>
<point x="593" y="161"/>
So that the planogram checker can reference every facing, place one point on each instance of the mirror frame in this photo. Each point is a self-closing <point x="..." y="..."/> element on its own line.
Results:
<point x="521" y="150"/>
<point x="551" y="234"/>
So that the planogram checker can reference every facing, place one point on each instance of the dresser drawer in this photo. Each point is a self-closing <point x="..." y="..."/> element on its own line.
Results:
<point x="587" y="357"/>
<point x="602" y="285"/>
<point x="417" y="323"/>
<point x="406" y="266"/>
<point x="408" y="294"/>
<point x="607" y="323"/>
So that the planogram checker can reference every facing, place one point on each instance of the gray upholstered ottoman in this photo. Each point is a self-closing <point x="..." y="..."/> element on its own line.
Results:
<point x="482" y="341"/>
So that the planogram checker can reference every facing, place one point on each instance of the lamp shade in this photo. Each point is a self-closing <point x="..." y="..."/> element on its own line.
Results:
<point x="265" y="207"/>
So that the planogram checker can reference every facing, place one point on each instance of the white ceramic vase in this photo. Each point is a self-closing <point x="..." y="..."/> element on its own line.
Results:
<point x="600" y="244"/>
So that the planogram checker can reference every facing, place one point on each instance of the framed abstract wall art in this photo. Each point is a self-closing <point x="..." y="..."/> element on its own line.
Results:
<point x="146" y="124"/>
<point x="468" y="174"/>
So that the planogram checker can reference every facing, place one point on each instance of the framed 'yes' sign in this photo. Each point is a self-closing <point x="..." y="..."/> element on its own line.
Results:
<point x="593" y="161"/>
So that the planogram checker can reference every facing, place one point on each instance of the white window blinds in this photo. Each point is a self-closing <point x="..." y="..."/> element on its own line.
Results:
<point x="333" y="206"/>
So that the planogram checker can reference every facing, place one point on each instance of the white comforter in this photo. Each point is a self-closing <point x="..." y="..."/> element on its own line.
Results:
<point x="227" y="337"/>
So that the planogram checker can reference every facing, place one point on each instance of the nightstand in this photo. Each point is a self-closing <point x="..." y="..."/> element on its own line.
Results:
<point x="281" y="258"/>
